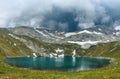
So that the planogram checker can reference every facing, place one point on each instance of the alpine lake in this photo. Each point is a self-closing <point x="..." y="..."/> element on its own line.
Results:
<point x="66" y="63"/>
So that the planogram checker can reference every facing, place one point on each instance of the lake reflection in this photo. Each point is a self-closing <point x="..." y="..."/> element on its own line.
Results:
<point x="67" y="63"/>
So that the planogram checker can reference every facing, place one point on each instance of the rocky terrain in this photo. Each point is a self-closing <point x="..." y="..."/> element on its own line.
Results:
<point x="39" y="42"/>
<point x="85" y="37"/>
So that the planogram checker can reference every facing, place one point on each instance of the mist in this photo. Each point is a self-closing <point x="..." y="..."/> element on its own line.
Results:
<point x="61" y="15"/>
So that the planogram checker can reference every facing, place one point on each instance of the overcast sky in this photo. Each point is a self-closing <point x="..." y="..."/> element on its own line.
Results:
<point x="11" y="10"/>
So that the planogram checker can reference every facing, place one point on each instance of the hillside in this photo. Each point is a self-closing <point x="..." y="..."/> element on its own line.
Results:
<point x="25" y="46"/>
<point x="12" y="47"/>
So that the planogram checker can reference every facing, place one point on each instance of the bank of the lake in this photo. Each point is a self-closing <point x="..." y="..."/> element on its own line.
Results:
<point x="112" y="71"/>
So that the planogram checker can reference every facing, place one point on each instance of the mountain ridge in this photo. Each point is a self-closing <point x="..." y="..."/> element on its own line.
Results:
<point x="40" y="47"/>
<point x="95" y="34"/>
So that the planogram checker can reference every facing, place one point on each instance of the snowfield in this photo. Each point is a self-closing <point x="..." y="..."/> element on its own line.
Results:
<point x="81" y="32"/>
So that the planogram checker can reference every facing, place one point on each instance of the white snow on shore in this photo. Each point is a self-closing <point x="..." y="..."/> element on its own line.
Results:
<point x="34" y="54"/>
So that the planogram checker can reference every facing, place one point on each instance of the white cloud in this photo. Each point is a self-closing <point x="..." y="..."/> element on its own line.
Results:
<point x="63" y="26"/>
<point x="2" y="23"/>
<point x="117" y="27"/>
<point x="86" y="25"/>
<point x="28" y="12"/>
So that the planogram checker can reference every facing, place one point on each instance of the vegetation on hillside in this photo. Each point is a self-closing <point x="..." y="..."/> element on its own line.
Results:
<point x="12" y="47"/>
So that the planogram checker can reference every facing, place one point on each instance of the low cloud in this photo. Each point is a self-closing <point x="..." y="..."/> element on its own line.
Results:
<point x="62" y="15"/>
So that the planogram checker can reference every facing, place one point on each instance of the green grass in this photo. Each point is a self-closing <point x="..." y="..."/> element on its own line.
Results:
<point x="7" y="47"/>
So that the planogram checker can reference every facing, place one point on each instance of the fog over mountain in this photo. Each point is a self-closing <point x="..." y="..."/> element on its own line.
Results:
<point x="61" y="15"/>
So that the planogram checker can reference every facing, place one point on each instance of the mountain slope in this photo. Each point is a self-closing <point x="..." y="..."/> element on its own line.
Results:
<point x="40" y="34"/>
<point x="23" y="45"/>
<point x="12" y="47"/>
<point x="8" y="48"/>
<point x="85" y="37"/>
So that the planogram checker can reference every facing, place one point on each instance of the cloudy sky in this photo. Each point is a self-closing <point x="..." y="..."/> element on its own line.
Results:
<point x="64" y="15"/>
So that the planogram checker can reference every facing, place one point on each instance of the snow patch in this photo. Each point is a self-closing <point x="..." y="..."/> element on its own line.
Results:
<point x="55" y="36"/>
<point x="41" y="33"/>
<point x="34" y="54"/>
<point x="88" y="32"/>
<point x="117" y="33"/>
<point x="81" y="32"/>
<point x="113" y="49"/>
<point x="15" y="44"/>
<point x="53" y="55"/>
<point x="74" y="53"/>
<point x="56" y="55"/>
<point x="69" y="34"/>
<point x="61" y="55"/>
<point x="14" y="36"/>
<point x="59" y="50"/>
<point x="83" y="43"/>
<point x="86" y="44"/>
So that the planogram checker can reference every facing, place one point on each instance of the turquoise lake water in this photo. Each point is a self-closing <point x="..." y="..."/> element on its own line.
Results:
<point x="67" y="63"/>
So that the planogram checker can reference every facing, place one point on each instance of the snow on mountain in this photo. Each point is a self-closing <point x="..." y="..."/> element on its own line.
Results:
<point x="88" y="32"/>
<point x="88" y="44"/>
<point x="41" y="33"/>
<point x="14" y="36"/>
<point x="70" y="34"/>
<point x="117" y="33"/>
<point x="84" y="37"/>
<point x="55" y="34"/>
<point x="38" y="33"/>
<point x="81" y="32"/>
<point x="47" y="34"/>
<point x="85" y="44"/>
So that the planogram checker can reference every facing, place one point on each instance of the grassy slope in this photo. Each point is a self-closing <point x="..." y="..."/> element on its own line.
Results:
<point x="50" y="47"/>
<point x="8" y="47"/>
<point x="8" y="72"/>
